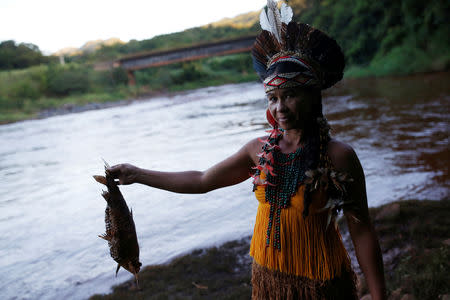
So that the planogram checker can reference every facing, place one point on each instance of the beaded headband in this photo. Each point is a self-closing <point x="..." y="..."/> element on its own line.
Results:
<point x="287" y="71"/>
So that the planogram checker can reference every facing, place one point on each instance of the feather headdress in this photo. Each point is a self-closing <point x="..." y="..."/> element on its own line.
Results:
<point x="288" y="54"/>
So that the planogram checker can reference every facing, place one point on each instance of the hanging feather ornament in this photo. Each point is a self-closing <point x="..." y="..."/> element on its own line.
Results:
<point x="335" y="184"/>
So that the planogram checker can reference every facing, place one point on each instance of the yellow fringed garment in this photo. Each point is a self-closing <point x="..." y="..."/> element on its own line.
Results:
<point x="308" y="247"/>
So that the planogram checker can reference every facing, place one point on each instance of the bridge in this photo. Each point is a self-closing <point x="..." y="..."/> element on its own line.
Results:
<point x="153" y="59"/>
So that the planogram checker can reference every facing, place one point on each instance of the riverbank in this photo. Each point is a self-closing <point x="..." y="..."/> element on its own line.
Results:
<point x="31" y="93"/>
<point x="413" y="236"/>
<point x="49" y="107"/>
<point x="412" y="85"/>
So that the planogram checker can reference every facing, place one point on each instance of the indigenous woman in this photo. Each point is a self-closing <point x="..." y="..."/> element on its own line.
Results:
<point x="302" y="177"/>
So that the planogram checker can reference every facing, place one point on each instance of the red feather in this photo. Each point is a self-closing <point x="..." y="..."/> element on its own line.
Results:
<point x="271" y="119"/>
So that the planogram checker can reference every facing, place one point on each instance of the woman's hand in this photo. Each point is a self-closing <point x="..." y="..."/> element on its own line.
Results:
<point x="125" y="173"/>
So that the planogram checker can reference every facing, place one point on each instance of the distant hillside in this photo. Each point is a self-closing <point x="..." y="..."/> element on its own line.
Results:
<point x="91" y="46"/>
<point x="68" y="51"/>
<point x="88" y="47"/>
<point x="245" y="20"/>
<point x="101" y="50"/>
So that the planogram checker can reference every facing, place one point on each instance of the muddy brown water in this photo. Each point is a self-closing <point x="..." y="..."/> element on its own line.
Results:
<point x="406" y="116"/>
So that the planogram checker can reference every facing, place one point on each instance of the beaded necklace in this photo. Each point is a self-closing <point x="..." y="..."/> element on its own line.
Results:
<point x="284" y="174"/>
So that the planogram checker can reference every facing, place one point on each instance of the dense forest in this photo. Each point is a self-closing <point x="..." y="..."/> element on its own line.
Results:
<point x="378" y="38"/>
<point x="384" y="37"/>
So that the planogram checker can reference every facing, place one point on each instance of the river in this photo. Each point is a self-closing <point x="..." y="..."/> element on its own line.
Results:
<point x="52" y="210"/>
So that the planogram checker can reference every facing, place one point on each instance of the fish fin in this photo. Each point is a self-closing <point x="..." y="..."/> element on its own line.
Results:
<point x="104" y="236"/>
<point x="106" y="164"/>
<point x="100" y="179"/>
<point x="105" y="195"/>
<point x="117" y="270"/>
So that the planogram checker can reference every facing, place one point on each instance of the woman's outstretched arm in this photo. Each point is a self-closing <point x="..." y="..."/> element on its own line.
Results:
<point x="230" y="171"/>
<point x="361" y="230"/>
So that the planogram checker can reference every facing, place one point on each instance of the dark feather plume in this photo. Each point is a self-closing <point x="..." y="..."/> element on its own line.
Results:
<point x="263" y="49"/>
<point x="292" y="36"/>
<point x="324" y="50"/>
<point x="283" y="36"/>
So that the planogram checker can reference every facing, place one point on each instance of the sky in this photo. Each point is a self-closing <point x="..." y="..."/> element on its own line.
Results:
<point x="56" y="24"/>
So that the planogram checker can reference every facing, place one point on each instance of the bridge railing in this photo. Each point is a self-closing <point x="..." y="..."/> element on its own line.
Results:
<point x="160" y="58"/>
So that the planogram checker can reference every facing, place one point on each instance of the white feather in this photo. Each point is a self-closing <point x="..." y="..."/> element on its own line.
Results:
<point x="273" y="27"/>
<point x="274" y="19"/>
<point x="265" y="25"/>
<point x="286" y="13"/>
<point x="271" y="5"/>
<point x="277" y="15"/>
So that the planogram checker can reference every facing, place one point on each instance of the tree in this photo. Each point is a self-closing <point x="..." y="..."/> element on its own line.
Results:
<point x="23" y="55"/>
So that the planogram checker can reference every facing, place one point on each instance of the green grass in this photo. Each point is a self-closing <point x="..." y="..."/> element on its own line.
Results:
<point x="7" y="116"/>
<point x="423" y="273"/>
<point x="419" y="229"/>
<point x="30" y="109"/>
<point x="24" y="93"/>
<point x="402" y="60"/>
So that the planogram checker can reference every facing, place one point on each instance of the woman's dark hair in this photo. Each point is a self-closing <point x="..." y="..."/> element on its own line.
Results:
<point x="320" y="136"/>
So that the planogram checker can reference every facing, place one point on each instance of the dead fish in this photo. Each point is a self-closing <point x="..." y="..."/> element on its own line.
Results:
<point x="120" y="228"/>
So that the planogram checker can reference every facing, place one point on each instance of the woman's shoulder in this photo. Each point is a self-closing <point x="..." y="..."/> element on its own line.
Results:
<point x="257" y="143"/>
<point x="254" y="147"/>
<point x="342" y="155"/>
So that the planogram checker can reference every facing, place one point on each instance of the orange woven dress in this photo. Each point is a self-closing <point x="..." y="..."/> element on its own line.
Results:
<point x="312" y="262"/>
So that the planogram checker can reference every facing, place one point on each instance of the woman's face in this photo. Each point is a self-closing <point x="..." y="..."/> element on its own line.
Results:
<point x="292" y="108"/>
